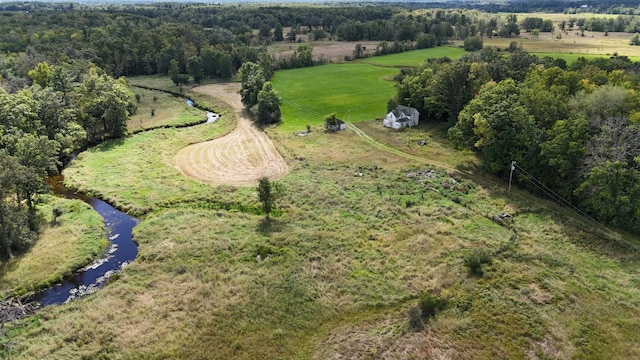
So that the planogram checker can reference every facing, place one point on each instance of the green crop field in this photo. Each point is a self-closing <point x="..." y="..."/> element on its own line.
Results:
<point x="355" y="92"/>
<point x="415" y="57"/>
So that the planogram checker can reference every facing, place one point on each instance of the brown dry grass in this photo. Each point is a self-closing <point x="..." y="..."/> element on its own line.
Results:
<point x="592" y="43"/>
<point x="331" y="51"/>
<point x="239" y="158"/>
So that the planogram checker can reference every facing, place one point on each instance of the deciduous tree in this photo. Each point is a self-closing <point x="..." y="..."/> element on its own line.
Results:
<point x="268" y="111"/>
<point x="268" y="193"/>
<point x="252" y="79"/>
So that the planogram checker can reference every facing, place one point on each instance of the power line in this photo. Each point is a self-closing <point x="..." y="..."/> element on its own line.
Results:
<point x="556" y="197"/>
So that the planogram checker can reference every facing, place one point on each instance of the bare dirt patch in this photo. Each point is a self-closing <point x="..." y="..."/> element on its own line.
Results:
<point x="239" y="158"/>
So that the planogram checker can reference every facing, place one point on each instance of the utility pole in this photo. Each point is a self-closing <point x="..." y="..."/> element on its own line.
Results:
<point x="513" y="167"/>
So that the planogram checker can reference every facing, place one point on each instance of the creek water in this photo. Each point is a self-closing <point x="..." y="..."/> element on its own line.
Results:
<point x="120" y="251"/>
<point x="211" y="116"/>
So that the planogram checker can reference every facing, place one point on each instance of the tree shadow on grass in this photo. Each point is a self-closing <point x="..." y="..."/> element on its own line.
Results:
<point x="108" y="145"/>
<point x="267" y="226"/>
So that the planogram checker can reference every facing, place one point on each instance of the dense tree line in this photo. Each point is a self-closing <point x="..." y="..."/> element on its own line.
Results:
<point x="65" y="107"/>
<point x="216" y="40"/>
<point x="575" y="128"/>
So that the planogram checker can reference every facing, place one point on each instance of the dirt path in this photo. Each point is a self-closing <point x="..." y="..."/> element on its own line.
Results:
<point x="239" y="158"/>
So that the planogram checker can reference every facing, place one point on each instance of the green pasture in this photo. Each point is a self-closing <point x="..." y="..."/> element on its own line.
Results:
<point x="355" y="92"/>
<point x="415" y="57"/>
<point x="75" y="238"/>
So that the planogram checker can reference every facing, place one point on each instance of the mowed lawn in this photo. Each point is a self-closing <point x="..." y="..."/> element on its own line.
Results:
<point x="355" y="92"/>
<point x="416" y="57"/>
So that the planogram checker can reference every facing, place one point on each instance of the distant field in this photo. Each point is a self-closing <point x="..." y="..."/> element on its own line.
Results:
<point x="559" y="17"/>
<point x="571" y="42"/>
<point x="416" y="57"/>
<point x="570" y="58"/>
<point x="355" y="92"/>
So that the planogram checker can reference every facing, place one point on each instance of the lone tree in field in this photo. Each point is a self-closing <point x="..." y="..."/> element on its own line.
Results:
<point x="267" y="193"/>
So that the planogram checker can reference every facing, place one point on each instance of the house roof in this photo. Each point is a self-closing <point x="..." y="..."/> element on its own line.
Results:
<point x="407" y="110"/>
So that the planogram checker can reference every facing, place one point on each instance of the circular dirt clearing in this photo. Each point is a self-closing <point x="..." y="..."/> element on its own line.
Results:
<point x="239" y="158"/>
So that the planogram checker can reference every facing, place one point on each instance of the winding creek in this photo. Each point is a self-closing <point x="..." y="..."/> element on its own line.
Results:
<point x="120" y="251"/>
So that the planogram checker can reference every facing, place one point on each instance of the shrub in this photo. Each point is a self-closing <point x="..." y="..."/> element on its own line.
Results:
<point x="473" y="43"/>
<point x="415" y="319"/>
<point x="56" y="212"/>
<point x="430" y="304"/>
<point x="475" y="261"/>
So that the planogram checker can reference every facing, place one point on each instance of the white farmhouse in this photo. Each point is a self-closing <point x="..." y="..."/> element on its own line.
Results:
<point x="339" y="125"/>
<point x="401" y="116"/>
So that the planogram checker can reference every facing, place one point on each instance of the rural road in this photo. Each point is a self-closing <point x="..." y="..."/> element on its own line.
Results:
<point x="238" y="158"/>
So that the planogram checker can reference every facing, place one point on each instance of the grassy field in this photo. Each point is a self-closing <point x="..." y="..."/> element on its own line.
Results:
<point x="168" y="110"/>
<point x="356" y="244"/>
<point x="355" y="92"/>
<point x="415" y="57"/>
<point x="146" y="161"/>
<point x="71" y="242"/>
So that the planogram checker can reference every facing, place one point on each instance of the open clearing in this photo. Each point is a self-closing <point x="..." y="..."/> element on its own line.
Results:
<point x="239" y="158"/>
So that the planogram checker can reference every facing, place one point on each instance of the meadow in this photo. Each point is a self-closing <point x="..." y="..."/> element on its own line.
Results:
<point x="415" y="57"/>
<point x="159" y="109"/>
<point x="369" y="223"/>
<point x="355" y="245"/>
<point x="138" y="173"/>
